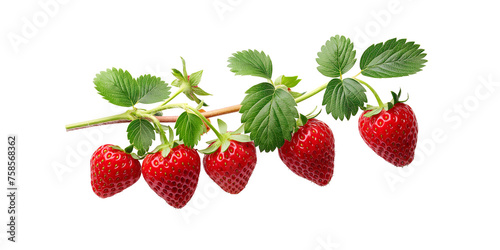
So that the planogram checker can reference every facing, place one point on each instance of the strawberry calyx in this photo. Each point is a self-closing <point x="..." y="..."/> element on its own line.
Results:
<point x="304" y="118"/>
<point x="189" y="83"/>
<point x="167" y="145"/>
<point x="223" y="142"/>
<point x="374" y="110"/>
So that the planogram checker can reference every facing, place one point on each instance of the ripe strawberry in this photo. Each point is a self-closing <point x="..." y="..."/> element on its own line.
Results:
<point x="392" y="133"/>
<point x="112" y="171"/>
<point x="231" y="169"/>
<point x="174" y="177"/>
<point x="311" y="152"/>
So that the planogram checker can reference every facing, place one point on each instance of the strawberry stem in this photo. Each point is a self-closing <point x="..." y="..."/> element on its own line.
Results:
<point x="311" y="93"/>
<point x="204" y="119"/>
<point x="379" y="101"/>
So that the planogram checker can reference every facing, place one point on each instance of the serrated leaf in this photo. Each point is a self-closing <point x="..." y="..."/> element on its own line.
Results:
<point x="252" y="63"/>
<point x="152" y="89"/>
<point x="268" y="115"/>
<point x="118" y="87"/>
<point x="141" y="134"/>
<point x="195" y="78"/>
<point x="394" y="58"/>
<point x="189" y="128"/>
<point x="343" y="98"/>
<point x="336" y="57"/>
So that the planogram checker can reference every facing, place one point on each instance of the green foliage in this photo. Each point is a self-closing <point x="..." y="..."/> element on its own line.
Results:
<point x="118" y="87"/>
<point x="141" y="134"/>
<point x="343" y="98"/>
<point x="252" y="63"/>
<point x="336" y="57"/>
<point x="268" y="115"/>
<point x="152" y="89"/>
<point x="394" y="58"/>
<point x="189" y="128"/>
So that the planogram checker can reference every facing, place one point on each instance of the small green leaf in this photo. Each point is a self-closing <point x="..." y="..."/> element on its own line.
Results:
<point x="195" y="78"/>
<point x="336" y="57"/>
<point x="118" y="87"/>
<point x="252" y="63"/>
<point x="189" y="127"/>
<point x="289" y="81"/>
<point x="343" y="98"/>
<point x="268" y="115"/>
<point x="394" y="58"/>
<point x="141" y="134"/>
<point x="152" y="89"/>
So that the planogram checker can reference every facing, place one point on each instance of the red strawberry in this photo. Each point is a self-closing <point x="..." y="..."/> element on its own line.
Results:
<point x="175" y="177"/>
<point x="231" y="169"/>
<point x="112" y="171"/>
<point x="392" y="133"/>
<point x="311" y="152"/>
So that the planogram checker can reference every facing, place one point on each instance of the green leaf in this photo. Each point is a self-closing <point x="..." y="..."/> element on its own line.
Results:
<point x="268" y="115"/>
<point x="336" y="57"/>
<point x="152" y="89"/>
<point x="252" y="63"/>
<point x="118" y="87"/>
<point x="343" y="98"/>
<point x="289" y="81"/>
<point x="141" y="133"/>
<point x="394" y="58"/>
<point x="195" y="78"/>
<point x="189" y="127"/>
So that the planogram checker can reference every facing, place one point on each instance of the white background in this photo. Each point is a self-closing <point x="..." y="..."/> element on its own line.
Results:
<point x="448" y="198"/>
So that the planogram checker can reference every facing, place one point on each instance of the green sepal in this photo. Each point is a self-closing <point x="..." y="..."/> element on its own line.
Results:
<point x="199" y="91"/>
<point x="374" y="110"/>
<point x="195" y="78"/>
<point x="178" y="75"/>
<point x="289" y="81"/>
<point x="129" y="149"/>
<point x="224" y="143"/>
<point x="222" y="126"/>
<point x="165" y="152"/>
<point x="296" y="95"/>
<point x="117" y="148"/>
<point x="301" y="121"/>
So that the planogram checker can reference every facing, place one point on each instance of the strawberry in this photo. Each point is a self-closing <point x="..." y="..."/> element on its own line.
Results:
<point x="390" y="130"/>
<point x="230" y="159"/>
<point x="173" y="174"/>
<point x="232" y="168"/>
<point x="391" y="133"/>
<point x="311" y="152"/>
<point x="112" y="171"/>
